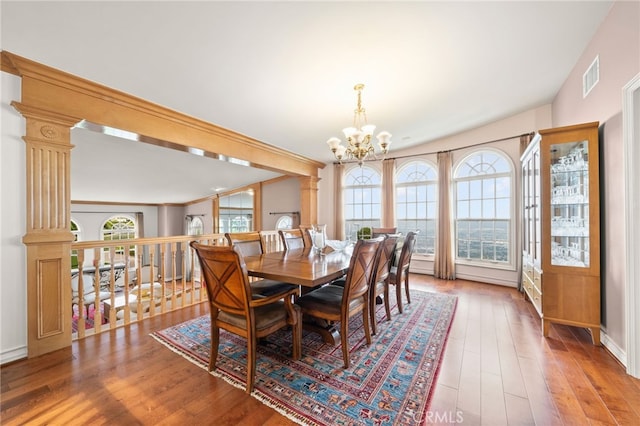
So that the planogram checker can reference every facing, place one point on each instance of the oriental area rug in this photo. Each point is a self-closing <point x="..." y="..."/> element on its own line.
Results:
<point x="389" y="382"/>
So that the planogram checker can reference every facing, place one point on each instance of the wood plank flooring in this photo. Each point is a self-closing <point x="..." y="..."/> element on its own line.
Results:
<point x="497" y="370"/>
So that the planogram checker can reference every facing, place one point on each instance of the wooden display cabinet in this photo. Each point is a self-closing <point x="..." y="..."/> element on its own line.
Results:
<point x="561" y="227"/>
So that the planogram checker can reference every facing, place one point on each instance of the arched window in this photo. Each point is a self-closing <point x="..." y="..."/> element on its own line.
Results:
<point x="416" y="203"/>
<point x="284" y="222"/>
<point x="362" y="197"/>
<point x="119" y="228"/>
<point x="195" y="226"/>
<point x="483" y="194"/>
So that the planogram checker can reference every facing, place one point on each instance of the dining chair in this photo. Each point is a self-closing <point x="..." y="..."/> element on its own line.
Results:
<point x="306" y="235"/>
<point x="233" y="306"/>
<point x="89" y="294"/>
<point x="379" y="285"/>
<point x="399" y="272"/>
<point x="251" y="244"/>
<point x="291" y="238"/>
<point x="377" y="232"/>
<point x="335" y="303"/>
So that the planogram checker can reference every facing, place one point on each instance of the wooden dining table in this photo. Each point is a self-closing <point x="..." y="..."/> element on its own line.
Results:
<point x="299" y="266"/>
<point x="307" y="269"/>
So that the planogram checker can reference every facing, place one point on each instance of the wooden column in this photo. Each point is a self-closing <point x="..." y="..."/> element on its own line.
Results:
<point x="48" y="237"/>
<point x="308" y="199"/>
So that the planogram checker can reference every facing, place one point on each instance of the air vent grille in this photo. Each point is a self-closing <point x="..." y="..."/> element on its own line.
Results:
<point x="591" y="77"/>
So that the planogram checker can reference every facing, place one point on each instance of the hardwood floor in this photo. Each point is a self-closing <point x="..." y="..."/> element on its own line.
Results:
<point x="497" y="370"/>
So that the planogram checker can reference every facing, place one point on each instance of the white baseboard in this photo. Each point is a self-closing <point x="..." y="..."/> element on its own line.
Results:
<point x="13" y="354"/>
<point x="612" y="347"/>
<point x="486" y="280"/>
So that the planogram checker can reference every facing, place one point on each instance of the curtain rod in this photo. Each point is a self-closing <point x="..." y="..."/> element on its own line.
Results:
<point x="454" y="149"/>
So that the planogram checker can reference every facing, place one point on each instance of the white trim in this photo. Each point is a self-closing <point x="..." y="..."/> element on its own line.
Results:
<point x="631" y="134"/>
<point x="612" y="347"/>
<point x="13" y="354"/>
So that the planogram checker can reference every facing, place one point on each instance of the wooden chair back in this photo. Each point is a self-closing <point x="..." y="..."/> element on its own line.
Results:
<point x="361" y="270"/>
<point x="306" y="236"/>
<point x="407" y="250"/>
<point x="225" y="276"/>
<point x="379" y="285"/>
<point x="376" y="232"/>
<point x="291" y="238"/>
<point x="387" y="250"/>
<point x="249" y="243"/>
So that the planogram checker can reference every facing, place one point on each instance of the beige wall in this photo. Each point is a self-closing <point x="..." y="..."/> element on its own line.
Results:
<point x="279" y="196"/>
<point x="13" y="200"/>
<point x="617" y="42"/>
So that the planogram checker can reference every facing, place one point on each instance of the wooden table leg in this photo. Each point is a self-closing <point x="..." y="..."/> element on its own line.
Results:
<point x="329" y="332"/>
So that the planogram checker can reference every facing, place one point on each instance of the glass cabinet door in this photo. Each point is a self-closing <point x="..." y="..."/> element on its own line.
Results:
<point x="570" y="204"/>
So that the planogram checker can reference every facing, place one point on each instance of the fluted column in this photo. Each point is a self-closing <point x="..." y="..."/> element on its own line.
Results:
<point x="308" y="199"/>
<point x="48" y="237"/>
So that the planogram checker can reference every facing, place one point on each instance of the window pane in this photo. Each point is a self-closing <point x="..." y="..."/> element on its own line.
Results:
<point x="488" y="188"/>
<point x="475" y="208"/>
<point x="431" y="210"/>
<point x="421" y="210"/>
<point x="431" y="192"/>
<point x="422" y="193"/>
<point x="463" y="209"/>
<point x="503" y="187"/>
<point x="462" y="190"/>
<point x="488" y="208"/>
<point x="401" y="211"/>
<point x="475" y="189"/>
<point x="503" y="210"/>
<point x="401" y="195"/>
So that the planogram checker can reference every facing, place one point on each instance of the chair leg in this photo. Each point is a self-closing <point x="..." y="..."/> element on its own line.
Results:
<point x="344" y="340"/>
<point x="387" y="305"/>
<point x="215" y="341"/>
<point x="372" y="314"/>
<point x="399" y="296"/>
<point x="365" y="320"/>
<point x="406" y="286"/>
<point x="251" y="362"/>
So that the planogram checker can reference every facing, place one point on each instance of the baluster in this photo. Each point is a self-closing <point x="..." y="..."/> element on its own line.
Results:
<point x="97" y="315"/>
<point x="81" y="321"/>
<point x="152" y="280"/>
<point x="139" y="286"/>
<point x="161" y="267"/>
<point x="112" y="289"/>
<point x="194" y="290"/>
<point x="127" y="280"/>
<point x="174" y="271"/>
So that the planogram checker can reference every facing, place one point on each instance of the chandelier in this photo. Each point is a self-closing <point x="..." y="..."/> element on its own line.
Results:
<point x="359" y="136"/>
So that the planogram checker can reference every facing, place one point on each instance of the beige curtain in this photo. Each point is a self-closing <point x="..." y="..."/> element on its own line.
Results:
<point x="388" y="193"/>
<point x="444" y="265"/>
<point x="338" y="225"/>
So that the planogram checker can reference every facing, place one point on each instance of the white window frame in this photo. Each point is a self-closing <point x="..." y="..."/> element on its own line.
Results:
<point x="104" y="255"/>
<point x="400" y="169"/>
<point x="371" y="222"/>
<point x="513" y="240"/>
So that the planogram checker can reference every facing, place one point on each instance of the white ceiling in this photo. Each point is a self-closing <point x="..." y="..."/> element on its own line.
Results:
<point x="283" y="73"/>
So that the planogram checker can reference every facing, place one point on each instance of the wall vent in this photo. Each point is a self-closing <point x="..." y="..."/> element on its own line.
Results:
<point x="591" y="77"/>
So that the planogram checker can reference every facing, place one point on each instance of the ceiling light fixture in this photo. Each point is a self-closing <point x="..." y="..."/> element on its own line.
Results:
<point x="359" y="136"/>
